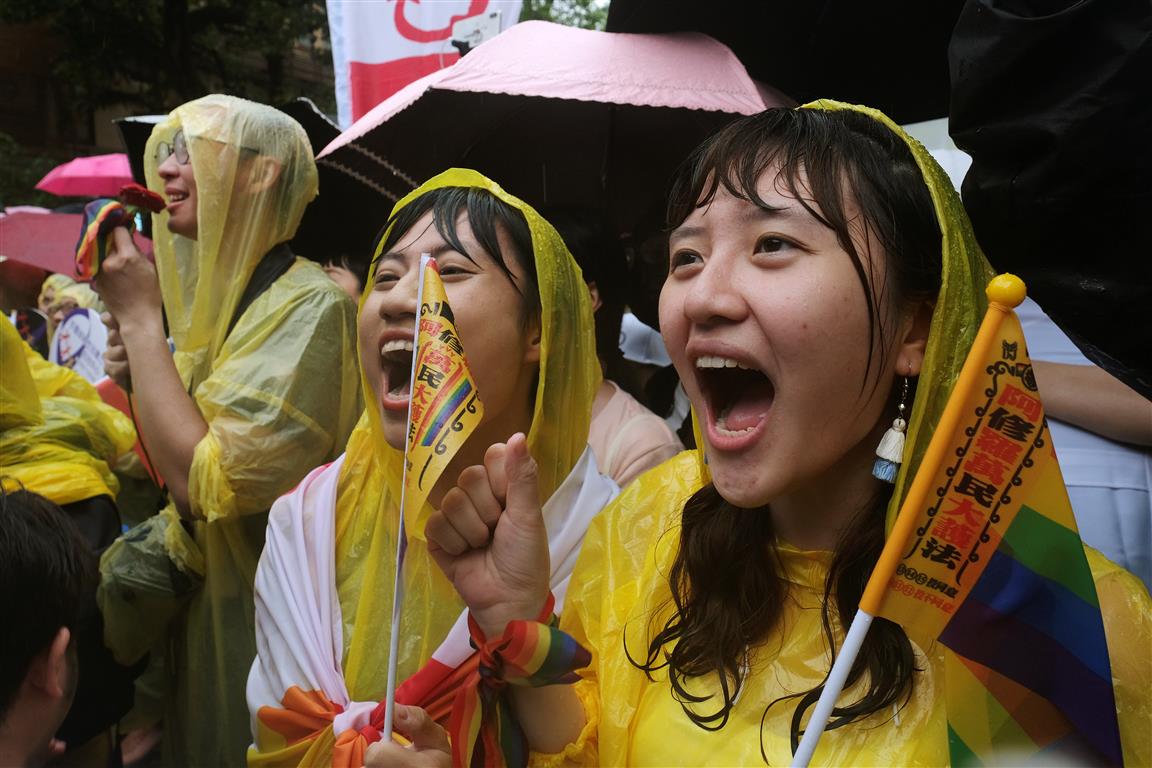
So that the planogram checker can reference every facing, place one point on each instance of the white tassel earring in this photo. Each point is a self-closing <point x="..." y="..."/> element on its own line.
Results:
<point x="890" y="452"/>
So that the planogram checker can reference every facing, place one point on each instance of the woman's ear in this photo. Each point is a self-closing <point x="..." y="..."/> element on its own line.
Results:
<point x="594" y="295"/>
<point x="916" y="323"/>
<point x="263" y="173"/>
<point x="535" y="336"/>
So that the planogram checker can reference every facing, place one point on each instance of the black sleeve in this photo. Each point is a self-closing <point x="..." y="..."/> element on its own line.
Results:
<point x="1053" y="101"/>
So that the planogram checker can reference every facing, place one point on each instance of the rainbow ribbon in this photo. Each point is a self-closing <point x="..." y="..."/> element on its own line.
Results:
<point x="483" y="727"/>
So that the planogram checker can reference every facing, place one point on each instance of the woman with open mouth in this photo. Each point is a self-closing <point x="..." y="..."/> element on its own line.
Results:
<point x="823" y="283"/>
<point x="324" y="585"/>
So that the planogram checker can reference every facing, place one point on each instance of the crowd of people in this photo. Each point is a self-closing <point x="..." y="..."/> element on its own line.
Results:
<point x="822" y="276"/>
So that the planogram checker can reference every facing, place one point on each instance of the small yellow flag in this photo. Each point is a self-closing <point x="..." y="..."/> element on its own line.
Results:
<point x="445" y="406"/>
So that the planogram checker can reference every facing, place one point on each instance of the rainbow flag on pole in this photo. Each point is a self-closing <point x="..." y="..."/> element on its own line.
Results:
<point x="985" y="557"/>
<point x="443" y="410"/>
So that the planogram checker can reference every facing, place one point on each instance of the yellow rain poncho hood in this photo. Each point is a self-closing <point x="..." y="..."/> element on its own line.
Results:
<point x="57" y="437"/>
<point x="620" y="591"/>
<point x="82" y="294"/>
<point x="255" y="175"/>
<point x="51" y="287"/>
<point x="960" y="305"/>
<point x="366" y="519"/>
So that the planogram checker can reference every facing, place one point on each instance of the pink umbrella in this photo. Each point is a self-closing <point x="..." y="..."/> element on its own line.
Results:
<point x="46" y="239"/>
<point x="557" y="115"/>
<point x="41" y="238"/>
<point x="95" y="176"/>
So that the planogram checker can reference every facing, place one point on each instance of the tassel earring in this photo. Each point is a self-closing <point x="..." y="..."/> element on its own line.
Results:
<point x="890" y="452"/>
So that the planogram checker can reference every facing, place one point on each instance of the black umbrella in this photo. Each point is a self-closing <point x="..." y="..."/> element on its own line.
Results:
<point x="888" y="54"/>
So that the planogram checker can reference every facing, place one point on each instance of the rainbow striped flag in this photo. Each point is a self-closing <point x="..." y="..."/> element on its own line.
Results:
<point x="985" y="557"/>
<point x="101" y="216"/>
<point x="445" y="406"/>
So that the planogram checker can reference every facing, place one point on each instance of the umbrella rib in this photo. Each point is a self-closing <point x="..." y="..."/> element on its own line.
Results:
<point x="384" y="162"/>
<point x="365" y="180"/>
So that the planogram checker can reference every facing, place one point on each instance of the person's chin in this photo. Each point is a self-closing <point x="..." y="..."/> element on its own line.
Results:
<point x="394" y="430"/>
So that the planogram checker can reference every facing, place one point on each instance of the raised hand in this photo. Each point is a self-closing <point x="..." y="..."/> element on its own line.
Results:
<point x="489" y="538"/>
<point x="128" y="284"/>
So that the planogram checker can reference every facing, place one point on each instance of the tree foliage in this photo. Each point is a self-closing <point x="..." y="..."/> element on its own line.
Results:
<point x="156" y="54"/>
<point x="587" y="14"/>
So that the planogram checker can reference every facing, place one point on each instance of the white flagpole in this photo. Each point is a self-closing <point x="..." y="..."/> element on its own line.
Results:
<point x="840" y="669"/>
<point x="402" y="536"/>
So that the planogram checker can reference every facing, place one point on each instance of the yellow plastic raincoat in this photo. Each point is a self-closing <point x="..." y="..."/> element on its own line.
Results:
<point x="57" y="438"/>
<point x="620" y="589"/>
<point x="277" y="387"/>
<point x="367" y="502"/>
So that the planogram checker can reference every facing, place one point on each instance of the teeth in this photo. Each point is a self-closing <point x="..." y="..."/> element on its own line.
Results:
<point x="396" y="345"/>
<point x="715" y="361"/>
<point x="177" y="197"/>
<point x="722" y="424"/>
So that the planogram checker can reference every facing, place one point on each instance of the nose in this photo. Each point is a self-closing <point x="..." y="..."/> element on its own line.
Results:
<point x="399" y="302"/>
<point x="169" y="169"/>
<point x="714" y="294"/>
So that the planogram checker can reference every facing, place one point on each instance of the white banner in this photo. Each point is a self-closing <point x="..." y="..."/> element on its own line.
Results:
<point x="379" y="46"/>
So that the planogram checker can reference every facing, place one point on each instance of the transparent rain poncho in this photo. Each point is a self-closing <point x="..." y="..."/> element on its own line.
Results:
<point x="367" y="504"/>
<point x="277" y="386"/>
<point x="621" y="581"/>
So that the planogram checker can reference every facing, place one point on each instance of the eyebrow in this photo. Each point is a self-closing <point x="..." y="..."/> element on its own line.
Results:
<point x="401" y="256"/>
<point x="754" y="215"/>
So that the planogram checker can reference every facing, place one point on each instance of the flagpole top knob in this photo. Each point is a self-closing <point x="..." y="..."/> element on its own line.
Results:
<point x="1007" y="290"/>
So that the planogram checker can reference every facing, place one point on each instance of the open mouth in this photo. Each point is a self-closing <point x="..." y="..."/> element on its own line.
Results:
<point x="396" y="365"/>
<point x="175" y="198"/>
<point x="738" y="397"/>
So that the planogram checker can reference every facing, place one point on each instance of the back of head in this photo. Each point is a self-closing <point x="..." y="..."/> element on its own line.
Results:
<point x="47" y="574"/>
<point x="600" y="254"/>
<point x="254" y="175"/>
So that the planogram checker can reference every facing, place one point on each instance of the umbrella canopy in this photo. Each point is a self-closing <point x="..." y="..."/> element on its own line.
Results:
<point x="559" y="116"/>
<point x="41" y="238"/>
<point x="95" y="176"/>
<point x="47" y="239"/>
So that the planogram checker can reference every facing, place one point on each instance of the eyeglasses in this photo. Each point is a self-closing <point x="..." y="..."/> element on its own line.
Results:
<point x="178" y="147"/>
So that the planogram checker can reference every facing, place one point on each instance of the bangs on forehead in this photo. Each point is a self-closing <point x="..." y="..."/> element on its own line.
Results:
<point x="486" y="215"/>
<point x="803" y="169"/>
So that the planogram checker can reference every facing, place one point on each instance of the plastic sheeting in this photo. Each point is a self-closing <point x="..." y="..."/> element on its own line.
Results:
<point x="59" y="439"/>
<point x="621" y="580"/>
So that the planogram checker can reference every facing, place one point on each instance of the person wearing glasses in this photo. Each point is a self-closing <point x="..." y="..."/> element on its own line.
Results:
<point x="259" y="384"/>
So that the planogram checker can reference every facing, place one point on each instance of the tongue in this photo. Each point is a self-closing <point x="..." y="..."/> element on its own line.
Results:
<point x="749" y="407"/>
<point x="401" y="388"/>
